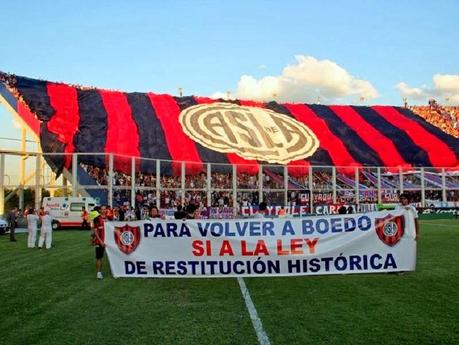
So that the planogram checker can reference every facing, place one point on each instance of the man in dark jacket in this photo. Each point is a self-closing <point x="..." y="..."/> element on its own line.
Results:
<point x="11" y="218"/>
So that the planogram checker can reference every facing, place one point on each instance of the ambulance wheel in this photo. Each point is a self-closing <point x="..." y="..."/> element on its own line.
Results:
<point x="55" y="225"/>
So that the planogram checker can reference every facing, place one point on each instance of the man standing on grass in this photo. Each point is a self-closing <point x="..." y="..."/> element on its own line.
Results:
<point x="99" y="239"/>
<point x="32" y="226"/>
<point x="405" y="204"/>
<point x="84" y="218"/>
<point x="46" y="232"/>
<point x="12" y="219"/>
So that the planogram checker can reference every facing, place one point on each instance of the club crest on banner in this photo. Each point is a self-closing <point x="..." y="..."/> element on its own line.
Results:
<point x="250" y="132"/>
<point x="390" y="229"/>
<point x="127" y="238"/>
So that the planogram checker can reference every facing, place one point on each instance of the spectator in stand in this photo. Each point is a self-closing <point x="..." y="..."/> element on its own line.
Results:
<point x="109" y="212"/>
<point x="138" y="199"/>
<point x="32" y="226"/>
<point x="191" y="211"/>
<point x="262" y="208"/>
<point x="121" y="213"/>
<point x="153" y="212"/>
<point x="179" y="214"/>
<point x="442" y="117"/>
<point x="282" y="212"/>
<point x="130" y="214"/>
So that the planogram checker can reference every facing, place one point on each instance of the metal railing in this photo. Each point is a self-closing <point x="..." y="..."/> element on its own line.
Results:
<point x="280" y="184"/>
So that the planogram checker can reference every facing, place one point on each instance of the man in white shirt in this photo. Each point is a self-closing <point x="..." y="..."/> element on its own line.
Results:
<point x="405" y="204"/>
<point x="46" y="233"/>
<point x="32" y="225"/>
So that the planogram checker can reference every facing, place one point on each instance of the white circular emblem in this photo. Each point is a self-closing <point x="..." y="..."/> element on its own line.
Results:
<point x="252" y="133"/>
<point x="390" y="229"/>
<point x="127" y="238"/>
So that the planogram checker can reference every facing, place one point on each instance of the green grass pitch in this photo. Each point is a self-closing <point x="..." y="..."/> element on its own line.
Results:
<point x="52" y="297"/>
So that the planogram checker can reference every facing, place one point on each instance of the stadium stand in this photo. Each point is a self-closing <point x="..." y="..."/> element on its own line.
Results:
<point x="444" y="117"/>
<point x="71" y="119"/>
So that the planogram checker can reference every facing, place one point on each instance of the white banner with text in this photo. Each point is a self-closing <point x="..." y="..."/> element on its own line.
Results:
<point x="336" y="244"/>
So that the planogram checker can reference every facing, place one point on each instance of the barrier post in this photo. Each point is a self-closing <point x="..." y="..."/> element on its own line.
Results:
<point x="22" y="166"/>
<point x="334" y="184"/>
<point x="285" y="186"/>
<point x="400" y="177"/>
<point x="357" y="191"/>
<point x="378" y="171"/>
<point x="110" y="180"/>
<point x="423" y="189"/>
<point x="182" y="181"/>
<point x="74" y="174"/>
<point x="443" y="185"/>
<point x="234" y="190"/>
<point x="158" y="184"/>
<point x="260" y="184"/>
<point x="311" y="202"/>
<point x="37" y="181"/>
<point x="208" y="184"/>
<point x="132" y="181"/>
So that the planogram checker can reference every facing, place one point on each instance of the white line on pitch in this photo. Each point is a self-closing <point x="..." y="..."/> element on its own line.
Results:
<point x="256" y="322"/>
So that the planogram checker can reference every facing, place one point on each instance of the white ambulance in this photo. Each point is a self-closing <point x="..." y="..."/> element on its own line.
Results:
<point x="67" y="211"/>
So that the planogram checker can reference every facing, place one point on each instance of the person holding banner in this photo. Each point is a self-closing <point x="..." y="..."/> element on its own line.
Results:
<point x="261" y="210"/>
<point x="98" y="234"/>
<point x="191" y="211"/>
<point x="179" y="214"/>
<point x="404" y="199"/>
<point x="153" y="212"/>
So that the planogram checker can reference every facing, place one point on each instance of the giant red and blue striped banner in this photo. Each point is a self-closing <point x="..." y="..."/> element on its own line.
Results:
<point x="72" y="119"/>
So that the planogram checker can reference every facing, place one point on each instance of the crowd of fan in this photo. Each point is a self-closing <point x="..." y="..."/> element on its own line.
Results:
<point x="221" y="185"/>
<point x="219" y="181"/>
<point x="444" y="117"/>
<point x="170" y="195"/>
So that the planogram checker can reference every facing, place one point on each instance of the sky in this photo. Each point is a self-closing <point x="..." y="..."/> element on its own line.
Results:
<point x="333" y="52"/>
